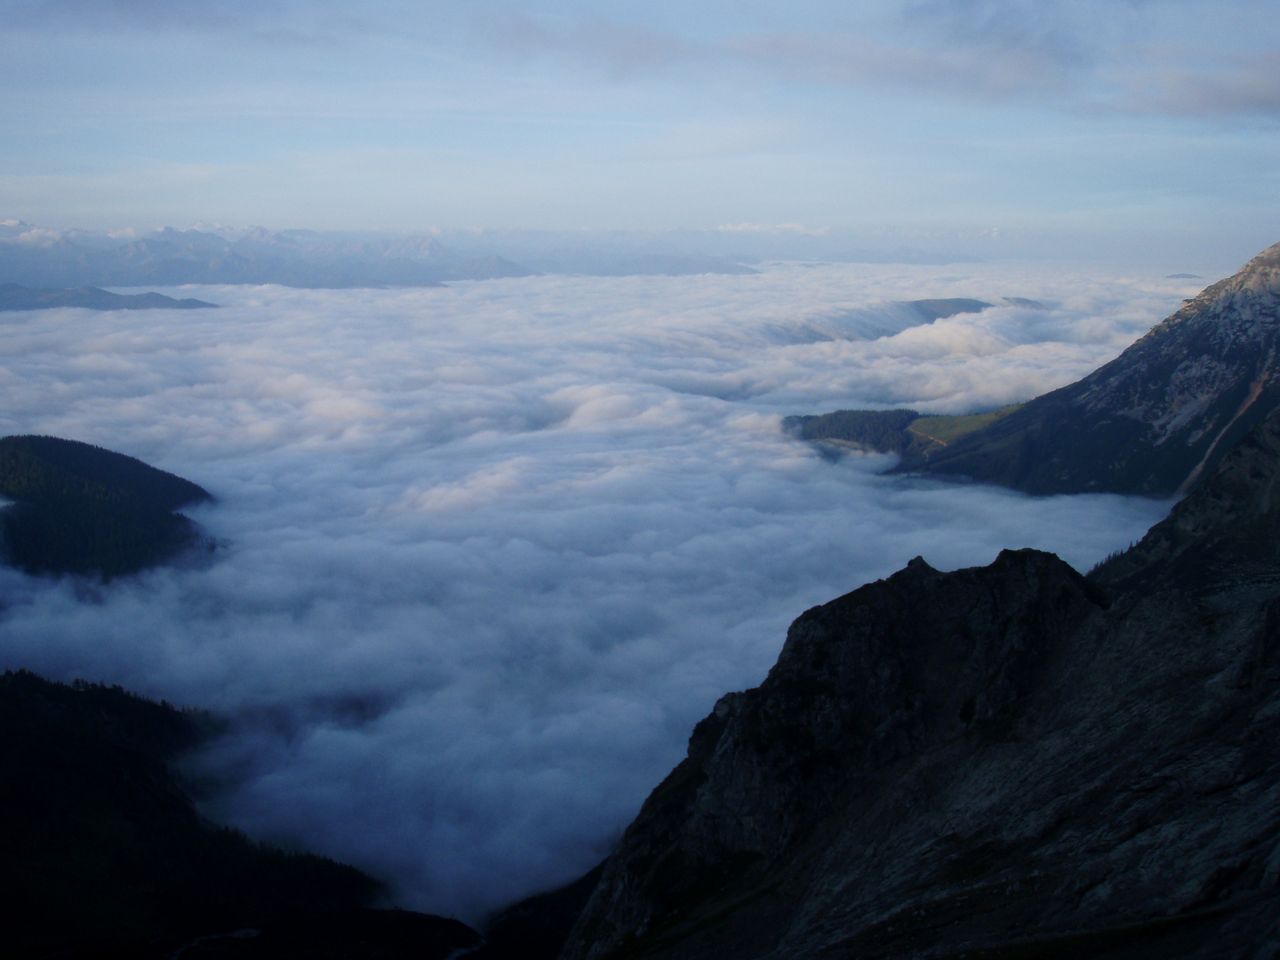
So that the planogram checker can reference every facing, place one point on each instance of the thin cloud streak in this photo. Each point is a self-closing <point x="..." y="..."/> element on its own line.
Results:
<point x="1244" y="86"/>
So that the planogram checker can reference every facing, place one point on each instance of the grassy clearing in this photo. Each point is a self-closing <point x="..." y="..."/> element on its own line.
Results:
<point x="942" y="430"/>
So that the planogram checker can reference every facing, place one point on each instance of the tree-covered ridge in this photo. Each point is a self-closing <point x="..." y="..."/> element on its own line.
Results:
<point x="36" y="467"/>
<point x="14" y="296"/>
<point x="102" y="852"/>
<point x="941" y="308"/>
<point x="81" y="509"/>
<point x="900" y="431"/>
<point x="882" y="431"/>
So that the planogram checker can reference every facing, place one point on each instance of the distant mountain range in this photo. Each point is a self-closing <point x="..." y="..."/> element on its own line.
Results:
<point x="14" y="296"/>
<point x="941" y="308"/>
<point x="1152" y="421"/>
<point x="304" y="258"/>
<point x="294" y="258"/>
<point x="45" y="257"/>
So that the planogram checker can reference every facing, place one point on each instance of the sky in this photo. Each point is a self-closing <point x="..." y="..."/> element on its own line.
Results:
<point x="1088" y="128"/>
<point x="488" y="551"/>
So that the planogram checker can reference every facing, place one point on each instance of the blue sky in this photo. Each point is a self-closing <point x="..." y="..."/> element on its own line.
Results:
<point x="996" y="125"/>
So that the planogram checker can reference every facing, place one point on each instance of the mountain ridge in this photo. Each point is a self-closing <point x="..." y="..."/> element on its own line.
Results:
<point x="104" y="854"/>
<point x="1005" y="761"/>
<point x="81" y="509"/>
<point x="1149" y="422"/>
<point x="14" y="296"/>
<point x="1153" y="419"/>
<point x="313" y="259"/>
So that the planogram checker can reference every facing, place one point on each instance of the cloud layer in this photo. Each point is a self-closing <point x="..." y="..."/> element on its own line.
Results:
<point x="491" y="550"/>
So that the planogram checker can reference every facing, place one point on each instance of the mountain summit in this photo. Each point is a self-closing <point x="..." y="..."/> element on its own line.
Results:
<point x="1154" y="419"/>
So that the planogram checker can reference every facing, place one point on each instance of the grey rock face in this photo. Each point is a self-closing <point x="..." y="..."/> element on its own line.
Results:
<point x="1154" y="419"/>
<point x="1224" y="538"/>
<point x="1008" y="761"/>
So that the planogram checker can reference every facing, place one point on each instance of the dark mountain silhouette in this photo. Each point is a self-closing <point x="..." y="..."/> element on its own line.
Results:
<point x="939" y="309"/>
<point x="1001" y="762"/>
<point x="81" y="509"/>
<point x="1149" y="422"/>
<point x="13" y="296"/>
<point x="536" y="928"/>
<point x="882" y="431"/>
<point x="103" y="854"/>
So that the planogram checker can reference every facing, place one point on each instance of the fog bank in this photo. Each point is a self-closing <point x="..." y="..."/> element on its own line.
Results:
<point x="490" y="550"/>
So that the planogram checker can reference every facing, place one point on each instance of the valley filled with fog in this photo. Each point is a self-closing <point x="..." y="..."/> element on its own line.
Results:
<point x="488" y="551"/>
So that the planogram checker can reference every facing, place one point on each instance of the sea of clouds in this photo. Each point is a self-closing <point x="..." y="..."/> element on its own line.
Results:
<point x="489" y="551"/>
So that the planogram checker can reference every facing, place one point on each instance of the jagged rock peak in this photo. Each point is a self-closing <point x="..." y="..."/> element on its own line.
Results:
<point x="1238" y="304"/>
<point x="1262" y="273"/>
<point x="873" y="680"/>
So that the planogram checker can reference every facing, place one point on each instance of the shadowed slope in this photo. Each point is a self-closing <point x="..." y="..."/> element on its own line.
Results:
<point x="85" y="510"/>
<point x="1008" y="761"/>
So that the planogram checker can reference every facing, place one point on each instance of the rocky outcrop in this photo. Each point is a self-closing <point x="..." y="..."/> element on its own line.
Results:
<point x="1154" y="419"/>
<point x="1008" y="761"/>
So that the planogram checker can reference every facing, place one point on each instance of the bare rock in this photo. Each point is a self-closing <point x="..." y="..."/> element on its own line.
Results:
<point x="1007" y="761"/>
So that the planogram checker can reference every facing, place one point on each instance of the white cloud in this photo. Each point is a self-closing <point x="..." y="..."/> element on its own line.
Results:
<point x="38" y="237"/>
<point x="493" y="548"/>
<point x="795" y="228"/>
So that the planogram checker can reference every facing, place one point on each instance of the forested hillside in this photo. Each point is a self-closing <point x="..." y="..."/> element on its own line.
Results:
<point x="81" y="509"/>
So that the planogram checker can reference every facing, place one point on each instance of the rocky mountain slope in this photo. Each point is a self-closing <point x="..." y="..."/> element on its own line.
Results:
<point x="1156" y="417"/>
<point x="1000" y="762"/>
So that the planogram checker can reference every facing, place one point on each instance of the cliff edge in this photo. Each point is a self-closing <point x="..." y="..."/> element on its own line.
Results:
<point x="1006" y="761"/>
